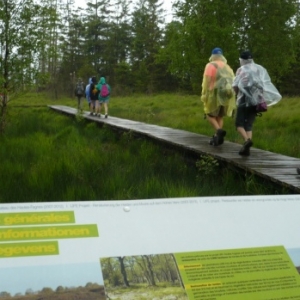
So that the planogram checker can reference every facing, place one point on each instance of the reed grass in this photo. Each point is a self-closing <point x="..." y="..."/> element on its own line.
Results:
<point x="50" y="157"/>
<point x="46" y="156"/>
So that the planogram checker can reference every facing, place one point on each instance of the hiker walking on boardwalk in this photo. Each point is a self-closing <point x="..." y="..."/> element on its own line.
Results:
<point x="253" y="87"/>
<point x="94" y="93"/>
<point x="87" y="93"/>
<point x="104" y="93"/>
<point x="217" y="94"/>
<point x="79" y="92"/>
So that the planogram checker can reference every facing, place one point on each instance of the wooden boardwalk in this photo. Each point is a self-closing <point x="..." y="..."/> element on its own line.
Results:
<point x="277" y="168"/>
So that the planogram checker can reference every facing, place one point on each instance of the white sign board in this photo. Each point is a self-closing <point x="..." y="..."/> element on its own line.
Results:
<point x="219" y="247"/>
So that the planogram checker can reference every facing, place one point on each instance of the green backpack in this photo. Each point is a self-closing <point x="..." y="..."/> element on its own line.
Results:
<point x="224" y="82"/>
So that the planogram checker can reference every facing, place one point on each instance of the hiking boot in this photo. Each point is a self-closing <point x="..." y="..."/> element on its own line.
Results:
<point x="99" y="115"/>
<point x="219" y="137"/>
<point x="106" y="116"/>
<point x="245" y="150"/>
<point x="211" y="141"/>
<point x="91" y="113"/>
<point x="221" y="134"/>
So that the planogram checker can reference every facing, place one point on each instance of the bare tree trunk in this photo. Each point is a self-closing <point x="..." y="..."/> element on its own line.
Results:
<point x="151" y="277"/>
<point x="3" y="113"/>
<point x="4" y="97"/>
<point x="123" y="271"/>
<point x="178" y="272"/>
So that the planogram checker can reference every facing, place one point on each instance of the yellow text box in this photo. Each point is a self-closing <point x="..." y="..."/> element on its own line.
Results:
<point x="37" y="218"/>
<point x="28" y="249"/>
<point x="48" y="232"/>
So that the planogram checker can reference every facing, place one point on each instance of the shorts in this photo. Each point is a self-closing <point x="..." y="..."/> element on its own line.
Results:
<point x="219" y="112"/>
<point x="93" y="101"/>
<point x="245" y="117"/>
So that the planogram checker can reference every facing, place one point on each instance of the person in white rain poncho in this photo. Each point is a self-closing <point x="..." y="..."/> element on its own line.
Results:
<point x="253" y="87"/>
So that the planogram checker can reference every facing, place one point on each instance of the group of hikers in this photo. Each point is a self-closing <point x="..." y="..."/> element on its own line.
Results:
<point x="96" y="94"/>
<point x="248" y="93"/>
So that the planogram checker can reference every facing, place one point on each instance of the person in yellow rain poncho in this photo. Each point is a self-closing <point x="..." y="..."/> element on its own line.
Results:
<point x="217" y="95"/>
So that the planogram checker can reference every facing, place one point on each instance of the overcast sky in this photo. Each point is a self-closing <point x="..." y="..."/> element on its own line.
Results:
<point x="167" y="6"/>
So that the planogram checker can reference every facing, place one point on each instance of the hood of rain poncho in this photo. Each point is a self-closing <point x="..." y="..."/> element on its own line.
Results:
<point x="90" y="80"/>
<point x="211" y="95"/>
<point x="99" y="87"/>
<point x="254" y="82"/>
<point x="102" y="80"/>
<point x="215" y="57"/>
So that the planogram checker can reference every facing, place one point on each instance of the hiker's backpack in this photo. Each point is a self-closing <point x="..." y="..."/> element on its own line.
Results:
<point x="79" y="90"/>
<point x="104" y="91"/>
<point x="224" y="81"/>
<point x="94" y="93"/>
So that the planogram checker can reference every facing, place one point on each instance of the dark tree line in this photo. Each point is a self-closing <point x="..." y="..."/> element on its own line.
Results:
<point x="46" y="45"/>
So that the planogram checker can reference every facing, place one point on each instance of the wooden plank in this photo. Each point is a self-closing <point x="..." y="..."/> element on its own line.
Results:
<point x="277" y="168"/>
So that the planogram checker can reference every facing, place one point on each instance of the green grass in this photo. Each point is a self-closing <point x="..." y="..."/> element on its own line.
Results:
<point x="144" y="292"/>
<point x="277" y="130"/>
<point x="47" y="156"/>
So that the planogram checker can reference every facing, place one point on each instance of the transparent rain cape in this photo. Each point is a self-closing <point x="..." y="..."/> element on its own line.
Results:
<point x="253" y="82"/>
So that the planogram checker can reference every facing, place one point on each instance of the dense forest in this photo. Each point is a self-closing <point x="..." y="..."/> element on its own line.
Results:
<point x="45" y="45"/>
<point x="150" y="269"/>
